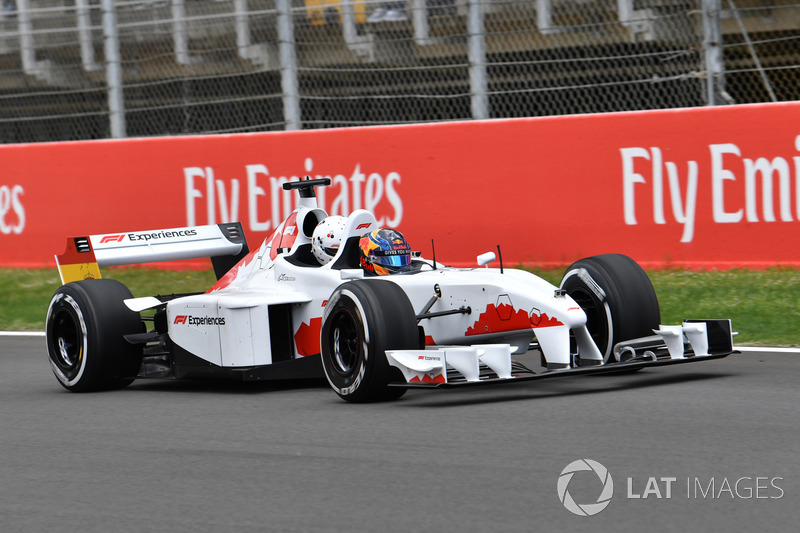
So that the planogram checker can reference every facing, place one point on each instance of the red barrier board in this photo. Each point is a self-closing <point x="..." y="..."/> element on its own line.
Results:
<point x="702" y="187"/>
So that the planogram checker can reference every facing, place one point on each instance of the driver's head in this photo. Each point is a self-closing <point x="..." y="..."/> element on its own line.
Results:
<point x="327" y="238"/>
<point x="384" y="251"/>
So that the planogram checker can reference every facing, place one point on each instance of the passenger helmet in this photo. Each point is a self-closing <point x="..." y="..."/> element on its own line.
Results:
<point x="384" y="251"/>
<point x="327" y="238"/>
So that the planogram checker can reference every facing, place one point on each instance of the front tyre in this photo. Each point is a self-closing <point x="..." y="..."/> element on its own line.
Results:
<point x="86" y="322"/>
<point x="362" y="320"/>
<point x="617" y="297"/>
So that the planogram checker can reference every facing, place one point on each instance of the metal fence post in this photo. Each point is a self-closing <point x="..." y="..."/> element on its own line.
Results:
<point x="712" y="48"/>
<point x="179" y="32"/>
<point x="84" y="22"/>
<point x="477" y="61"/>
<point x="242" y="28"/>
<point x="625" y="10"/>
<point x="419" y="18"/>
<point x="26" y="45"/>
<point x="288" y="58"/>
<point x="544" y="15"/>
<point x="116" y="105"/>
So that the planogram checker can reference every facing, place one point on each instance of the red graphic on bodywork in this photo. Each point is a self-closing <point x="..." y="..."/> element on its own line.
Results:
<point x="284" y="236"/>
<point x="497" y="319"/>
<point x="289" y="231"/>
<point x="544" y="321"/>
<point x="230" y="276"/>
<point x="307" y="337"/>
<point x="274" y="244"/>
<point x="427" y="378"/>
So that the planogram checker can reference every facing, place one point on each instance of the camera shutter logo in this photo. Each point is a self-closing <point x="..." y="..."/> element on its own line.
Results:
<point x="586" y="509"/>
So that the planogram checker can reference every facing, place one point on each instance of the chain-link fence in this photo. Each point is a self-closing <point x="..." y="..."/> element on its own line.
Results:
<point x="85" y="69"/>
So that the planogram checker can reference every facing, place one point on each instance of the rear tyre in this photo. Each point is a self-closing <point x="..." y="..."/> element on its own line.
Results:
<point x="362" y="320"/>
<point x="617" y="297"/>
<point x="86" y="322"/>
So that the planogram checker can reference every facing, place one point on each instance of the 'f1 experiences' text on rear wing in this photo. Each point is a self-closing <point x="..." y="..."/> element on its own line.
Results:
<point x="225" y="244"/>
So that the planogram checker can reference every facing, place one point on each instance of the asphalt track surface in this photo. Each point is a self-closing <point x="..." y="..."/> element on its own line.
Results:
<point x="209" y="456"/>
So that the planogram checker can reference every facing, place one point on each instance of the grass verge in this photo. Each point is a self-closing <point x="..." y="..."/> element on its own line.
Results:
<point x="25" y="294"/>
<point x="761" y="303"/>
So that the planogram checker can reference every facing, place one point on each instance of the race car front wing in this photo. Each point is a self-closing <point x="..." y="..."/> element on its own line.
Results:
<point x="485" y="364"/>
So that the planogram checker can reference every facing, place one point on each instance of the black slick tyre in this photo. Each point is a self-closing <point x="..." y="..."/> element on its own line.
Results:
<point x="362" y="320"/>
<point x="86" y="322"/>
<point x="617" y="297"/>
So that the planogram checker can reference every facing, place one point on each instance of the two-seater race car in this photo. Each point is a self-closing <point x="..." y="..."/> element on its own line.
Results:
<point x="278" y="312"/>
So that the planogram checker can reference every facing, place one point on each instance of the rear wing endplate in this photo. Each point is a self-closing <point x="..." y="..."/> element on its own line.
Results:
<point x="225" y="244"/>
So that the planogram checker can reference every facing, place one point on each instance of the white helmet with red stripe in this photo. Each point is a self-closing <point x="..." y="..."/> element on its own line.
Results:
<point x="327" y="238"/>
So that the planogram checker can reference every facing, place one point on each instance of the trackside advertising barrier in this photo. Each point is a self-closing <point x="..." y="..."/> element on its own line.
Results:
<point x="702" y="187"/>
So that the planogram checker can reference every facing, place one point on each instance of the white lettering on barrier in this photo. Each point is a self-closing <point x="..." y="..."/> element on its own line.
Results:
<point x="629" y="179"/>
<point x="189" y="174"/>
<point x="682" y="210"/>
<point x="727" y="165"/>
<point x="253" y="192"/>
<point x="394" y="199"/>
<point x="767" y="169"/>
<point x="12" y="212"/>
<point x="719" y="175"/>
<point x="357" y="191"/>
<point x="229" y="211"/>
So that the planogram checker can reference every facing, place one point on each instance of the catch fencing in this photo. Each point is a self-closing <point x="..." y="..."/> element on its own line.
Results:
<point x="89" y="69"/>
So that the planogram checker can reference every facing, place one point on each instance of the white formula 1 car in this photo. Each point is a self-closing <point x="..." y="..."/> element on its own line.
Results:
<point x="276" y="313"/>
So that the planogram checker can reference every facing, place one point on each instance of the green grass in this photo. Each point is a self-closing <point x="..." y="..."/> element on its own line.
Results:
<point x="25" y="294"/>
<point x="762" y="304"/>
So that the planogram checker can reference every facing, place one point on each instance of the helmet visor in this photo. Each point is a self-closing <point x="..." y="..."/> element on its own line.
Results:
<point x="392" y="261"/>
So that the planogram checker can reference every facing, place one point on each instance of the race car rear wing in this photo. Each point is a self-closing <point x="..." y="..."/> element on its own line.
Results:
<point x="225" y="244"/>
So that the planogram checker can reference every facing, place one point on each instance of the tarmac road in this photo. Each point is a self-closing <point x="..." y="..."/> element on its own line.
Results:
<point x="706" y="447"/>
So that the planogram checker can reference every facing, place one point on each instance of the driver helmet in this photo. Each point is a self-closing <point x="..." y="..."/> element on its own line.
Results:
<point x="327" y="238"/>
<point x="384" y="251"/>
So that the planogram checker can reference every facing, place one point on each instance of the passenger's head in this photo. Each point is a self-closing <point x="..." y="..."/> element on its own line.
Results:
<point x="327" y="238"/>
